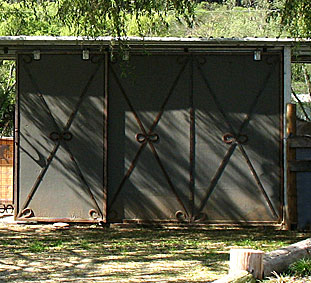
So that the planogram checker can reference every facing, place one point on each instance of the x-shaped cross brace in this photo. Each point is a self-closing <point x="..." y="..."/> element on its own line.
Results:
<point x="60" y="136"/>
<point x="148" y="137"/>
<point x="235" y="139"/>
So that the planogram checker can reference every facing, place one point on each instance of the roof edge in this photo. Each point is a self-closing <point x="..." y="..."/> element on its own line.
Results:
<point x="74" y="41"/>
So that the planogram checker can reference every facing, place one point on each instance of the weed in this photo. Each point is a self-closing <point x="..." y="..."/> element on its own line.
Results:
<point x="85" y="244"/>
<point x="301" y="268"/>
<point x="37" y="247"/>
<point x="279" y="278"/>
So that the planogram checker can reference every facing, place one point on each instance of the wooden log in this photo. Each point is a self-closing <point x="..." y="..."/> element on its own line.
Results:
<point x="279" y="260"/>
<point x="291" y="208"/>
<point x="247" y="259"/>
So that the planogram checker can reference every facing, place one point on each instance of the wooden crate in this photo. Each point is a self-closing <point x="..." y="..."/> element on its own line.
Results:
<point x="6" y="170"/>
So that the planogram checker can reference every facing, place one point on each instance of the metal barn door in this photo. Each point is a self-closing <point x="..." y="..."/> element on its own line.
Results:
<point x="238" y="138"/>
<point x="195" y="138"/>
<point x="148" y="138"/>
<point x="60" y="138"/>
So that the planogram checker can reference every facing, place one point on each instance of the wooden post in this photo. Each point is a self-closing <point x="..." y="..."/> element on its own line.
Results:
<point x="247" y="259"/>
<point x="291" y="190"/>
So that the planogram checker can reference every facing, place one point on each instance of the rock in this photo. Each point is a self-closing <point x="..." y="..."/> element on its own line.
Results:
<point x="61" y="225"/>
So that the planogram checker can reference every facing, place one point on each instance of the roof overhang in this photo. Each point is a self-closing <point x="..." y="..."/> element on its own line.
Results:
<point x="10" y="45"/>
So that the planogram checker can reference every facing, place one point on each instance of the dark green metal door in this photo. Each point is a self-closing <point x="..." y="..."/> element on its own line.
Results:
<point x="238" y="138"/>
<point x="195" y="138"/>
<point x="60" y="138"/>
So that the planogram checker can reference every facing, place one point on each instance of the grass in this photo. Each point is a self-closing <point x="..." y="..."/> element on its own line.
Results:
<point x="39" y="253"/>
<point x="298" y="272"/>
<point x="301" y="268"/>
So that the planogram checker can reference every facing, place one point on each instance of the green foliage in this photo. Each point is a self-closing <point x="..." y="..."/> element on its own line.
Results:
<point x="301" y="268"/>
<point x="99" y="18"/>
<point x="301" y="84"/>
<point x="296" y="17"/>
<point x="7" y="97"/>
<point x="144" y="18"/>
<point x="91" y="18"/>
<point x="259" y="19"/>
<point x="37" y="247"/>
<point x="283" y="278"/>
<point x="21" y="19"/>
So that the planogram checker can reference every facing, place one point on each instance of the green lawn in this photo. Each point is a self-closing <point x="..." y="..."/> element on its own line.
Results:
<point x="38" y="253"/>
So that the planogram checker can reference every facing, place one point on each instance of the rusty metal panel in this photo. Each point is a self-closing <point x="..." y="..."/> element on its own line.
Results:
<point x="61" y="123"/>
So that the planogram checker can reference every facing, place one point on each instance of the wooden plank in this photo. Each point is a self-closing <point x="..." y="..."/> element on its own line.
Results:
<point x="299" y="142"/>
<point x="300" y="165"/>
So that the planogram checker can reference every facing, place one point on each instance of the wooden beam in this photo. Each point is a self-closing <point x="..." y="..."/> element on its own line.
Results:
<point x="299" y="142"/>
<point x="291" y="194"/>
<point x="300" y="165"/>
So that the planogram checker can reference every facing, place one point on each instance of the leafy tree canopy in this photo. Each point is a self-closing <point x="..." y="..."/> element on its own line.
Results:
<point x="111" y="17"/>
<point x="296" y="17"/>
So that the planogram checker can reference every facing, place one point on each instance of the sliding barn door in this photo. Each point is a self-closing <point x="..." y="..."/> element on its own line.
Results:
<point x="61" y="138"/>
<point x="195" y="138"/>
<point x="238" y="156"/>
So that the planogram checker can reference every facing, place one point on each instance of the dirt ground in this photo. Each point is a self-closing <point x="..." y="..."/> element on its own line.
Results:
<point x="44" y="253"/>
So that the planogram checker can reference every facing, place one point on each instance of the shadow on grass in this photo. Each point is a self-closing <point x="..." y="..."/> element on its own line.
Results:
<point x="38" y="253"/>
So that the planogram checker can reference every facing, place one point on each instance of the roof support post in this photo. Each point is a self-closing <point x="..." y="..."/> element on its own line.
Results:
<point x="286" y="100"/>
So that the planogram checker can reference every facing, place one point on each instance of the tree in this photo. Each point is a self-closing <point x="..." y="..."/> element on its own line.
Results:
<point x="95" y="18"/>
<point x="296" y="17"/>
<point x="7" y="97"/>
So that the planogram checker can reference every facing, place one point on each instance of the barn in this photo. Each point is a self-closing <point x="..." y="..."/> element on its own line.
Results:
<point x="165" y="130"/>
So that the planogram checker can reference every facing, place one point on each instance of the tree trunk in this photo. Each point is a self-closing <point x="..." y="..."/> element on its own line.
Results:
<point x="247" y="259"/>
